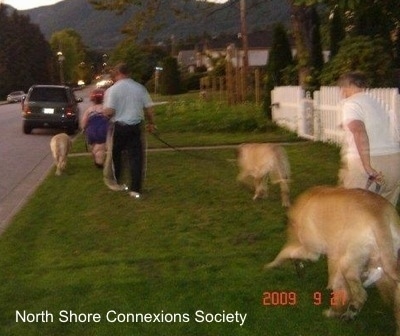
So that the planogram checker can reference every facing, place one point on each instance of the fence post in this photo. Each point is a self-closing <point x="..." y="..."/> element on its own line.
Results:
<point x="395" y="113"/>
<point x="317" y="116"/>
<point x="305" y="122"/>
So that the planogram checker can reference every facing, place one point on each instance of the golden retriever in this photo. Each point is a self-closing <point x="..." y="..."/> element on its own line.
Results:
<point x="60" y="146"/>
<point x="257" y="161"/>
<point x="359" y="232"/>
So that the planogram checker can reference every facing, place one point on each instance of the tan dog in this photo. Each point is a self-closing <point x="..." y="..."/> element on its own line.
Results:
<point x="60" y="146"/>
<point x="257" y="161"/>
<point x="359" y="233"/>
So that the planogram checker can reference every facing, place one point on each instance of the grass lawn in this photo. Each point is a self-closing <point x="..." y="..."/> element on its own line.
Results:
<point x="188" y="254"/>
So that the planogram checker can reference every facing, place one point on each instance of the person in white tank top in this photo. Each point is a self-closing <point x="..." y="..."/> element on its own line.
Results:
<point x="370" y="152"/>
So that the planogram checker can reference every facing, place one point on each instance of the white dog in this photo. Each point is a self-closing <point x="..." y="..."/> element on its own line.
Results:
<point x="60" y="146"/>
<point x="257" y="161"/>
<point x="359" y="232"/>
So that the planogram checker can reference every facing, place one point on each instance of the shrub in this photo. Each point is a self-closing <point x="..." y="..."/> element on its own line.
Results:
<point x="361" y="53"/>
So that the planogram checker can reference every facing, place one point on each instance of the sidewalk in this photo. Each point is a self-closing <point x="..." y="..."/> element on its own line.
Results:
<point x="13" y="202"/>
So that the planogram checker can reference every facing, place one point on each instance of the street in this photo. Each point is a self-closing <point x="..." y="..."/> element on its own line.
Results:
<point x="25" y="159"/>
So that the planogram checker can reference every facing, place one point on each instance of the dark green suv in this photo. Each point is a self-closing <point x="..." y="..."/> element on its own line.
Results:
<point x="50" y="106"/>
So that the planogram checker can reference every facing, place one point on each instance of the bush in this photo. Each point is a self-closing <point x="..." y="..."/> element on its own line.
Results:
<point x="191" y="81"/>
<point x="170" y="81"/>
<point x="362" y="53"/>
<point x="194" y="115"/>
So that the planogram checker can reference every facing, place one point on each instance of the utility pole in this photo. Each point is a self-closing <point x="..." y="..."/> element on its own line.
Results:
<point x="245" y="46"/>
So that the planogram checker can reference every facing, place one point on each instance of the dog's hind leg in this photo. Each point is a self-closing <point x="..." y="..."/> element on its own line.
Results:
<point x="357" y="294"/>
<point x="284" y="185"/>
<point x="57" y="162"/>
<point x="338" y="287"/>
<point x="259" y="187"/>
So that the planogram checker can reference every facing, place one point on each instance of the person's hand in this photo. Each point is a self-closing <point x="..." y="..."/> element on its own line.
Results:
<point x="376" y="177"/>
<point x="151" y="128"/>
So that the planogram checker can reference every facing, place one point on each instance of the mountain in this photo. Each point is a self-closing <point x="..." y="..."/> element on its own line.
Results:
<point x="101" y="30"/>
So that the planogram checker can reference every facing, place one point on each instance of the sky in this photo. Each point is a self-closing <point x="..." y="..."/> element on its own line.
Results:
<point x="27" y="4"/>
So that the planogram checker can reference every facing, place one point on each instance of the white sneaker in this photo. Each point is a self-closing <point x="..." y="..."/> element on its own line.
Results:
<point x="134" y="194"/>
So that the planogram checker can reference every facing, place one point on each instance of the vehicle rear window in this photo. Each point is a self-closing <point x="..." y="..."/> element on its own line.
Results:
<point x="49" y="95"/>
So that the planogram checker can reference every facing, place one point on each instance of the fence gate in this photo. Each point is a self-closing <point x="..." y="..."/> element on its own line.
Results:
<point x="286" y="105"/>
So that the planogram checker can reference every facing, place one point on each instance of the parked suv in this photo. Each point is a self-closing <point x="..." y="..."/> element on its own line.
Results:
<point x="50" y="106"/>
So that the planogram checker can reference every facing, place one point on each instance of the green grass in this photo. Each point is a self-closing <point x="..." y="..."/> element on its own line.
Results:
<point x="196" y="241"/>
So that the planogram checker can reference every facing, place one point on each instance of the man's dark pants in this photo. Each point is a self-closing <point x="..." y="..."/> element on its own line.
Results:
<point x="128" y="137"/>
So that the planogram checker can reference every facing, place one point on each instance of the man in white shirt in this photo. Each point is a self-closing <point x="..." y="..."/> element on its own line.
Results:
<point x="129" y="103"/>
<point x="370" y="149"/>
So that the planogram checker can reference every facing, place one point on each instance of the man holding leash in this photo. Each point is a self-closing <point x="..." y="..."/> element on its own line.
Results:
<point x="371" y="150"/>
<point x="129" y="103"/>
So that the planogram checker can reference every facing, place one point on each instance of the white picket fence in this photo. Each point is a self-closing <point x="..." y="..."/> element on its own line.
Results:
<point x="319" y="118"/>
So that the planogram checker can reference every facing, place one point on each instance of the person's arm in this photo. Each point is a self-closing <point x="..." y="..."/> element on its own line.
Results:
<point x="357" y="128"/>
<point x="84" y="119"/>
<point x="109" y="112"/>
<point x="149" y="116"/>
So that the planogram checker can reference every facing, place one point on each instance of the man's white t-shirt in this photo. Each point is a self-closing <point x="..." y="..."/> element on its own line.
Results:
<point x="127" y="98"/>
<point x="365" y="108"/>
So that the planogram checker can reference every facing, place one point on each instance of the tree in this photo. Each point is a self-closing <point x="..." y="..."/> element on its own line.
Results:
<point x="362" y="53"/>
<point x="280" y="55"/>
<point x="305" y="26"/>
<point x="279" y="59"/>
<point x="170" y="80"/>
<point x="25" y="56"/>
<point x="70" y="44"/>
<point x="141" y="59"/>
<point x="336" y="31"/>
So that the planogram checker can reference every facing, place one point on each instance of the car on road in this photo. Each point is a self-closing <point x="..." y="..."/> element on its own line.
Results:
<point x="50" y="106"/>
<point x="15" y="96"/>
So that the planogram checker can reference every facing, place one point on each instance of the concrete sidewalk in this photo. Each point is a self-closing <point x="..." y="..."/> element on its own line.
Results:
<point x="14" y="200"/>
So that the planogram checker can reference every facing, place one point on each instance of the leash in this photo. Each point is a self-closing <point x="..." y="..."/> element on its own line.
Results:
<point x="184" y="152"/>
<point x="373" y="179"/>
<point x="155" y="134"/>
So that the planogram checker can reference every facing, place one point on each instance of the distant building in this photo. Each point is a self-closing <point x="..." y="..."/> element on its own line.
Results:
<point x="259" y="45"/>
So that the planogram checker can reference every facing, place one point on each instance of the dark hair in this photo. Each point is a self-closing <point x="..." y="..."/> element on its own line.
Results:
<point x="355" y="78"/>
<point x="122" y="68"/>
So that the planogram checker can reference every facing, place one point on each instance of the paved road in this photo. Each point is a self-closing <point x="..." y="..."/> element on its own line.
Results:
<point x="25" y="159"/>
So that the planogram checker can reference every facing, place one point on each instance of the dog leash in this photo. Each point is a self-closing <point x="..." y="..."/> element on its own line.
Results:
<point x="373" y="179"/>
<point x="157" y="136"/>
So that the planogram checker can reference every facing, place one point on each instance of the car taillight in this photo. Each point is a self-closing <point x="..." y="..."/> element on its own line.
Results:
<point x="69" y="111"/>
<point x="26" y="109"/>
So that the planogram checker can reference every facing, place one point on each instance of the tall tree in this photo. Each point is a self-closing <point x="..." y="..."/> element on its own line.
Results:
<point x="170" y="81"/>
<point x="336" y="31"/>
<point x="69" y="43"/>
<point x="25" y="57"/>
<point x="279" y="59"/>
<point x="305" y="24"/>
<point x="280" y="55"/>
<point x="141" y="60"/>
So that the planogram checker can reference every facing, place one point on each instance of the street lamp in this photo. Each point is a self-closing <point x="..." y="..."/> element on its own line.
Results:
<point x="105" y="58"/>
<point x="61" y="60"/>
<point x="157" y="77"/>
